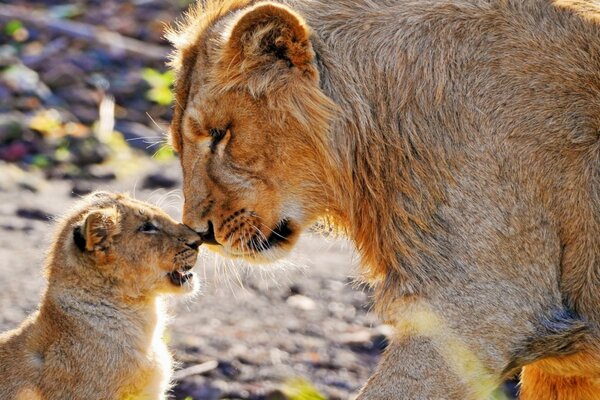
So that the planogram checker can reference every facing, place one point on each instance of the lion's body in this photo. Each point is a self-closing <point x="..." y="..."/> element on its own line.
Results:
<point x="98" y="331"/>
<point x="463" y="160"/>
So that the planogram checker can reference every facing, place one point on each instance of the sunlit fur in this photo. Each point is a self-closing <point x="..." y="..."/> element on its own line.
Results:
<point x="98" y="331"/>
<point x="456" y="142"/>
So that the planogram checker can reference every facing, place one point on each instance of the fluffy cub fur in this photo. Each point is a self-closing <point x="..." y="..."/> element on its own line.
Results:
<point x="97" y="333"/>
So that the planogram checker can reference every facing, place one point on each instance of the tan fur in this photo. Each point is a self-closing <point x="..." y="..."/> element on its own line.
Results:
<point x="456" y="142"/>
<point x="98" y="331"/>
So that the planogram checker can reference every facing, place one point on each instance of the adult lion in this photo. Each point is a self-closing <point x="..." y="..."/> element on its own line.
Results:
<point x="457" y="142"/>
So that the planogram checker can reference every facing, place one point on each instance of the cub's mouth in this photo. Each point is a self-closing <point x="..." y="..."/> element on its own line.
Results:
<point x="180" y="276"/>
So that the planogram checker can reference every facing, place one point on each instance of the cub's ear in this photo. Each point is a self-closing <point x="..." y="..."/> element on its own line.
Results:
<point x="268" y="33"/>
<point x="98" y="229"/>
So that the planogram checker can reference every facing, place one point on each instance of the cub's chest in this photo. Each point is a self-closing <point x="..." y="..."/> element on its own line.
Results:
<point x="149" y="380"/>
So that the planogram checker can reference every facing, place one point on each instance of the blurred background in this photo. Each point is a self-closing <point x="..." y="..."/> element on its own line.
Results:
<point x="85" y="103"/>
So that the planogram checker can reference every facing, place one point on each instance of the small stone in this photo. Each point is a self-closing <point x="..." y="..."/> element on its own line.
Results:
<point x="87" y="152"/>
<point x="228" y="369"/>
<point x="34" y="213"/>
<point x="301" y="302"/>
<point x="13" y="152"/>
<point x="195" y="390"/>
<point x="81" y="188"/>
<point x="102" y="173"/>
<point x="11" y="126"/>
<point x="356" y="338"/>
<point x="158" y="180"/>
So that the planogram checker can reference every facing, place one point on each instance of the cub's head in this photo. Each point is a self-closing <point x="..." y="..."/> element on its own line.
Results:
<point x="131" y="248"/>
<point x="250" y="125"/>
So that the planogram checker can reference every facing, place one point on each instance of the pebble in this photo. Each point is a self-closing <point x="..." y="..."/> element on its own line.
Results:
<point x="159" y="180"/>
<point x="301" y="302"/>
<point x="81" y="188"/>
<point x="34" y="213"/>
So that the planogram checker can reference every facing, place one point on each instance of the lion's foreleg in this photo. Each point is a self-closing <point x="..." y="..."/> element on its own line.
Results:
<point x="413" y="368"/>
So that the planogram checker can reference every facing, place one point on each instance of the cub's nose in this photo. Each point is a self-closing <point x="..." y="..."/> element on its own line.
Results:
<point x="208" y="237"/>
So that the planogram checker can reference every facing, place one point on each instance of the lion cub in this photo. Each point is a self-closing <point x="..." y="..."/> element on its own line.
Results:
<point x="97" y="333"/>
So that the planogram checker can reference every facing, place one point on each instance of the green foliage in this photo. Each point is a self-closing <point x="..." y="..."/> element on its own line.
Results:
<point x="40" y="161"/>
<point x="164" y="153"/>
<point x="300" y="389"/>
<point x="13" y="26"/>
<point x="160" y="85"/>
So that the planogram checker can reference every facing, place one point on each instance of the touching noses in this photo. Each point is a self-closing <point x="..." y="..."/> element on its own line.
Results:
<point x="194" y="245"/>
<point x="196" y="216"/>
<point x="208" y="236"/>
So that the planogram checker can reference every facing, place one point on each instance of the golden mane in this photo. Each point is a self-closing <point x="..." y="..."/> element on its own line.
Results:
<point x="185" y="35"/>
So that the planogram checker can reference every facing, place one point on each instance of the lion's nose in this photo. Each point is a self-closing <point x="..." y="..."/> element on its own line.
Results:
<point x="208" y="237"/>
<point x="194" y="245"/>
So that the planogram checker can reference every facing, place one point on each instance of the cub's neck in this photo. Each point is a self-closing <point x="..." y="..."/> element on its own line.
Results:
<point x="89" y="317"/>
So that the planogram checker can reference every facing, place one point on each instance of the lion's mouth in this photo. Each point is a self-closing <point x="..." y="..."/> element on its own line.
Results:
<point x="180" y="276"/>
<point x="280" y="234"/>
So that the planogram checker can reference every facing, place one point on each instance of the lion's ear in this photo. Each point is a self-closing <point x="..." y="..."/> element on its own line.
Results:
<point x="99" y="228"/>
<point x="268" y="33"/>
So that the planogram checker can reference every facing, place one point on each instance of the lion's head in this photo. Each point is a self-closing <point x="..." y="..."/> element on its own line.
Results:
<point x="250" y="125"/>
<point x="128" y="247"/>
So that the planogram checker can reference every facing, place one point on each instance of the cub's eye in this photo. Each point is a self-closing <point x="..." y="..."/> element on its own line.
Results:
<point x="148" y="227"/>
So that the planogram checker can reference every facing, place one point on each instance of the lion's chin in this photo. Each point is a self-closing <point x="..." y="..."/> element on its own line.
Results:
<point x="262" y="249"/>
<point x="264" y="256"/>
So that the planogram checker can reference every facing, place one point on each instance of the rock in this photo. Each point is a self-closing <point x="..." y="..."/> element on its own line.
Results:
<point x="362" y="338"/>
<point x="62" y="74"/>
<point x="159" y="180"/>
<point x="228" y="369"/>
<point x="11" y="126"/>
<point x="368" y="341"/>
<point x="24" y="80"/>
<point x="197" y="390"/>
<point x="15" y="151"/>
<point x="8" y="55"/>
<point x="34" y="213"/>
<point x="84" y="113"/>
<point x="87" y="151"/>
<point x="301" y="302"/>
<point x="102" y="173"/>
<point x="81" y="188"/>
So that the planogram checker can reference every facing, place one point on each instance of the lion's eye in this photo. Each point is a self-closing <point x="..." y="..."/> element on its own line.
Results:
<point x="216" y="135"/>
<point x="148" y="227"/>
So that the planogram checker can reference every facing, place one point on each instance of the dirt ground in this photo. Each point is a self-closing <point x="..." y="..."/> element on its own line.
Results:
<point x="251" y="329"/>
